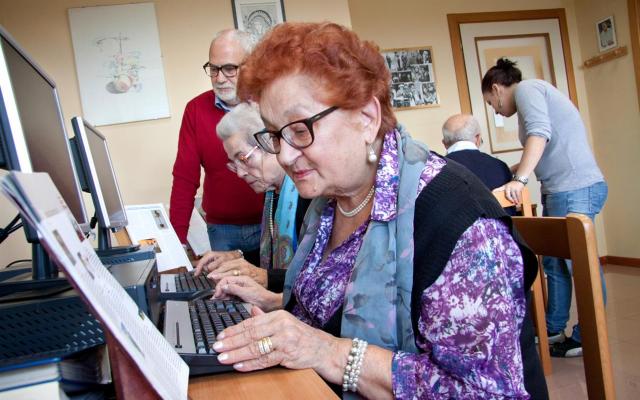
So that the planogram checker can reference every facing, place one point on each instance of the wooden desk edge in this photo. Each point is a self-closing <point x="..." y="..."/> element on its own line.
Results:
<point x="273" y="383"/>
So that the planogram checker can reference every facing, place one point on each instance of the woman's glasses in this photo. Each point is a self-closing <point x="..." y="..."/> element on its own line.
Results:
<point x="298" y="134"/>
<point x="242" y="160"/>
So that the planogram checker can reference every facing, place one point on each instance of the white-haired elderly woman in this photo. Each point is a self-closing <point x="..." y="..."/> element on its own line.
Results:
<point x="283" y="210"/>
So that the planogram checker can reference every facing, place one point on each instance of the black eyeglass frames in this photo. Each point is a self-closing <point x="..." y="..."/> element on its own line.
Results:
<point x="298" y="134"/>
<point x="228" y="70"/>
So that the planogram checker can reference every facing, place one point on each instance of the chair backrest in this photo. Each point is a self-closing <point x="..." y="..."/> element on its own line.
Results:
<point x="573" y="238"/>
<point x="527" y="209"/>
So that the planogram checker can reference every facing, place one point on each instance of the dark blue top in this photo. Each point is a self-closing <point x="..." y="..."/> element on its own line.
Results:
<point x="491" y="171"/>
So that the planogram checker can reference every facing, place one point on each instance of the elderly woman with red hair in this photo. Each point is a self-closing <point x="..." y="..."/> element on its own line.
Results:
<point x="407" y="281"/>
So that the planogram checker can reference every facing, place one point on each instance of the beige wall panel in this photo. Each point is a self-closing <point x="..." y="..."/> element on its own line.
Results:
<point x="142" y="152"/>
<point x="410" y="23"/>
<point x="615" y="124"/>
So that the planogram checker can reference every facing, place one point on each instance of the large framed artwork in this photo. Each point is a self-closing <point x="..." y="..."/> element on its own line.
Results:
<point x="413" y="81"/>
<point x="533" y="56"/>
<point x="119" y="63"/>
<point x="508" y="30"/>
<point x="257" y="16"/>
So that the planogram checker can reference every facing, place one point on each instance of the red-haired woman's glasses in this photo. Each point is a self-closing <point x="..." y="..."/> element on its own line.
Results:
<point x="298" y="134"/>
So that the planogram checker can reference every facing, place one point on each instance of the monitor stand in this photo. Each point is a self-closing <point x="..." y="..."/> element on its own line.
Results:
<point x="105" y="247"/>
<point x="38" y="280"/>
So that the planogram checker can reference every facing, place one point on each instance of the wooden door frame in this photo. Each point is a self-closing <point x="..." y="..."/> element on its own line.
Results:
<point x="634" y="31"/>
<point x="455" y="20"/>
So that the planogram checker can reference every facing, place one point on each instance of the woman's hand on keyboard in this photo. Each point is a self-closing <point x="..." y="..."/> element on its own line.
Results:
<point x="289" y="342"/>
<point x="212" y="259"/>
<point x="249" y="291"/>
<point x="238" y="267"/>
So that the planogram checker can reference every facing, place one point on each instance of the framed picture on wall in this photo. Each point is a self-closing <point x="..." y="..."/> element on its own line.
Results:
<point x="119" y="63"/>
<point x="533" y="57"/>
<point x="413" y="81"/>
<point x="257" y="16"/>
<point x="606" y="34"/>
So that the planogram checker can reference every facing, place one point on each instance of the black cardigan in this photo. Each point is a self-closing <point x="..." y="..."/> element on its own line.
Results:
<point x="444" y="210"/>
<point x="447" y="206"/>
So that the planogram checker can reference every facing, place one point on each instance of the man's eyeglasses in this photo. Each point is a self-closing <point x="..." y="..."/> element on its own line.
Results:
<point x="298" y="134"/>
<point x="228" y="70"/>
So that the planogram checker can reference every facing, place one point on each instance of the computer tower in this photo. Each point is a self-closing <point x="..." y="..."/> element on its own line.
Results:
<point x="141" y="281"/>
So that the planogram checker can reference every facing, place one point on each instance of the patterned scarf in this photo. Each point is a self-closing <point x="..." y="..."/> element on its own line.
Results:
<point x="278" y="241"/>
<point x="377" y="303"/>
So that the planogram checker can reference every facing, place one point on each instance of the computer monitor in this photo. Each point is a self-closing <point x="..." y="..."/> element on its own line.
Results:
<point x="34" y="137"/>
<point x="13" y="147"/>
<point x="93" y="162"/>
<point x="34" y="119"/>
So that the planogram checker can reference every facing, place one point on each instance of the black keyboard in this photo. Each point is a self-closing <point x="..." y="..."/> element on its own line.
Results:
<point x="184" y="286"/>
<point x="191" y="328"/>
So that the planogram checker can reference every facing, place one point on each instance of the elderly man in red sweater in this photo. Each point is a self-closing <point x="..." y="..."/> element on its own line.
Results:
<point x="233" y="210"/>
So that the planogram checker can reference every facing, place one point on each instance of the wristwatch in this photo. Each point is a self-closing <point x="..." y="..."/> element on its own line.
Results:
<point x="522" y="179"/>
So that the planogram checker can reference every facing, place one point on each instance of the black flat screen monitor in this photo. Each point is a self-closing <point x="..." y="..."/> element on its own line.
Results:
<point x="34" y="140"/>
<point x="97" y="176"/>
<point x="101" y="177"/>
<point x="32" y="118"/>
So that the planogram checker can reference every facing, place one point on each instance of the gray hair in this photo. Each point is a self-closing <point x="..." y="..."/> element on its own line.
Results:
<point x="245" y="39"/>
<point x="244" y="119"/>
<point x="457" y="133"/>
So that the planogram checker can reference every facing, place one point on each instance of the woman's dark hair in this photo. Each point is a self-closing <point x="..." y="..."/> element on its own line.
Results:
<point x="503" y="73"/>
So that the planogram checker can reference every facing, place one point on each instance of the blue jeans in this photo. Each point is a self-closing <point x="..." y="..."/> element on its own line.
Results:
<point x="587" y="201"/>
<point x="232" y="237"/>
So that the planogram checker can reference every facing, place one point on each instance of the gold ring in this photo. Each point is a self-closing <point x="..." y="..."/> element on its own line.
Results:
<point x="261" y="348"/>
<point x="265" y="346"/>
<point x="235" y="272"/>
<point x="268" y="344"/>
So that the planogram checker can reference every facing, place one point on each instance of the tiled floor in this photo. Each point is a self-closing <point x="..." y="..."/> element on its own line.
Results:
<point x="623" y="317"/>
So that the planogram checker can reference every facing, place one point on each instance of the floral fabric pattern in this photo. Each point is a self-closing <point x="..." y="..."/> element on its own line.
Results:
<point x="470" y="318"/>
<point x="467" y="327"/>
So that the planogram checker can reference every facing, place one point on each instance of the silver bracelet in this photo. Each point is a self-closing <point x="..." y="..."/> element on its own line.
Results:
<point x="241" y="253"/>
<point x="354" y="365"/>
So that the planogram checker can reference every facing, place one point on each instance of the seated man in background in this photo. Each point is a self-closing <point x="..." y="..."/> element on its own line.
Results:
<point x="462" y="138"/>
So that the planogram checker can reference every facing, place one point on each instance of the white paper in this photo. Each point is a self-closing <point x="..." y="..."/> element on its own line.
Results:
<point x="198" y="237"/>
<point x="498" y="120"/>
<point x="149" y="225"/>
<point x="166" y="372"/>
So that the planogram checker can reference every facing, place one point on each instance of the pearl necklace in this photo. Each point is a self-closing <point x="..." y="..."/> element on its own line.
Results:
<point x="360" y="206"/>
<point x="271" y="219"/>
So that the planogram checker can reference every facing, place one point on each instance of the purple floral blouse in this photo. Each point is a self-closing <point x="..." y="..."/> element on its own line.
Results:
<point x="470" y="316"/>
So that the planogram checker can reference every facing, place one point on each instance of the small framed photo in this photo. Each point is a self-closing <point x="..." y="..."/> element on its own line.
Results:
<point x="413" y="81"/>
<point x="606" y="34"/>
<point x="257" y="16"/>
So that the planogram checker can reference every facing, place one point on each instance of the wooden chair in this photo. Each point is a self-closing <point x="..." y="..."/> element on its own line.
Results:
<point x="538" y="289"/>
<point x="525" y="207"/>
<point x="573" y="238"/>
